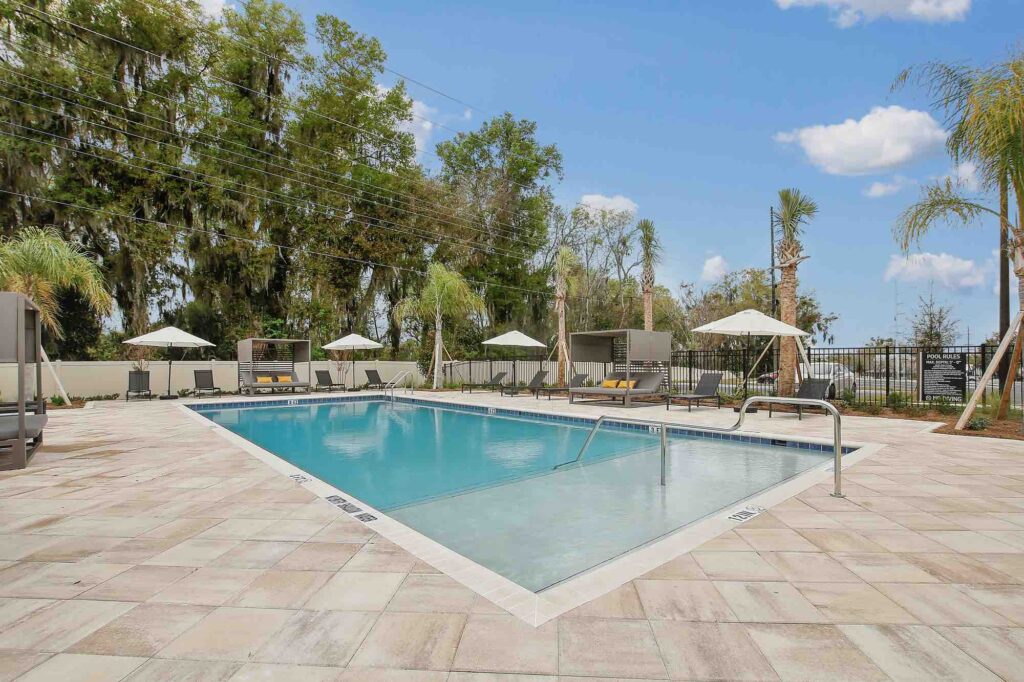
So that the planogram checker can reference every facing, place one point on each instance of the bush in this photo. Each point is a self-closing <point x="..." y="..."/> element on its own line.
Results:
<point x="978" y="423"/>
<point x="944" y="406"/>
<point x="897" y="400"/>
<point x="871" y="408"/>
<point x="849" y="397"/>
<point x="915" y="410"/>
<point x="56" y="400"/>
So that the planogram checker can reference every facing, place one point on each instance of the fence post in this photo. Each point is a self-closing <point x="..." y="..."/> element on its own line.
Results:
<point x="888" y="372"/>
<point x="983" y="348"/>
<point x="689" y="363"/>
<point x="746" y="361"/>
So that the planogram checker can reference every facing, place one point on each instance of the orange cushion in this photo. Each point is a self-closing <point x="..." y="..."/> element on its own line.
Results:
<point x="284" y="377"/>
<point x="627" y="384"/>
<point x="610" y="383"/>
<point x="263" y="380"/>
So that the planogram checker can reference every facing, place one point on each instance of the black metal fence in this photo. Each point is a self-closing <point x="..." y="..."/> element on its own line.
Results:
<point x="865" y="375"/>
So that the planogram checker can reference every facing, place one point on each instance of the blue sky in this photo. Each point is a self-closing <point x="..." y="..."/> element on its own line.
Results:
<point x="698" y="112"/>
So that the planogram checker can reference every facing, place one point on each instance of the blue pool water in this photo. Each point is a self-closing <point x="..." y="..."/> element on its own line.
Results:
<point x="483" y="485"/>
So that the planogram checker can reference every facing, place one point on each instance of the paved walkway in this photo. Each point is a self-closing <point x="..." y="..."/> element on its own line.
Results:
<point x="139" y="546"/>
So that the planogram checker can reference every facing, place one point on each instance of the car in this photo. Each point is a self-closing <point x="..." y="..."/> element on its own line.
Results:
<point x="840" y="377"/>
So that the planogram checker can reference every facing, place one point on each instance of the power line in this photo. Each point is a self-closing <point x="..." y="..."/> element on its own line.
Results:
<point x="295" y="204"/>
<point x="184" y="150"/>
<point x="232" y="84"/>
<point x="500" y="228"/>
<point x="259" y="243"/>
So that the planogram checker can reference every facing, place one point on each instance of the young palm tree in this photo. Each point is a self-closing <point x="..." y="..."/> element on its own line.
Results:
<point x="794" y="211"/>
<point x="39" y="263"/>
<point x="650" y="254"/>
<point x="444" y="294"/>
<point x="566" y="264"/>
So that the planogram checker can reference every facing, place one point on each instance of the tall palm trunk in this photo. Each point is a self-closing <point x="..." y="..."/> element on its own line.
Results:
<point x="1004" y="271"/>
<point x="787" y="306"/>
<point x="563" y="349"/>
<point x="438" y="347"/>
<point x="648" y="288"/>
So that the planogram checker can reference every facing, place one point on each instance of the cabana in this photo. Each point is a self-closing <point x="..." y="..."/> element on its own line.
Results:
<point x="21" y="421"/>
<point x="264" y="364"/>
<point x="638" y="356"/>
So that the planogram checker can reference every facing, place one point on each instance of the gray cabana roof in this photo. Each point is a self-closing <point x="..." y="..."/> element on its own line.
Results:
<point x="641" y="345"/>
<point x="254" y="350"/>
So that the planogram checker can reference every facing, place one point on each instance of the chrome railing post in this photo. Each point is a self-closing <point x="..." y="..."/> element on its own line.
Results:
<point x="664" y="451"/>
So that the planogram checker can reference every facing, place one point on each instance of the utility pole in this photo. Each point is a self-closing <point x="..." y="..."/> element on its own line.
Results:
<point x="771" y="221"/>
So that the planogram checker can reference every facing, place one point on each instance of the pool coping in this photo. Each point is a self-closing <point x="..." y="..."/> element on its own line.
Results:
<point x="534" y="608"/>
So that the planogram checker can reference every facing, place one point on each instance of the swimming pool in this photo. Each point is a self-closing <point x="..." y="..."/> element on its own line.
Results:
<point x="483" y="484"/>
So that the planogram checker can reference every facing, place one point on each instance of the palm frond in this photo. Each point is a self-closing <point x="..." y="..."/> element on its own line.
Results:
<point x="941" y="202"/>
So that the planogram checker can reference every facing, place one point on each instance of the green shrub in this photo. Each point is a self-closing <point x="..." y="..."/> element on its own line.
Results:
<point x="898" y="400"/>
<point x="56" y="400"/>
<point x="871" y="408"/>
<point x="915" y="410"/>
<point x="978" y="423"/>
<point x="849" y="397"/>
<point x="944" y="406"/>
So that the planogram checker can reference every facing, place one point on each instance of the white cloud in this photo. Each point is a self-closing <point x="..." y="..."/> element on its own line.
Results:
<point x="966" y="175"/>
<point x="212" y="8"/>
<point x="467" y="115"/>
<point x="419" y="127"/>
<point x="715" y="268"/>
<point x="600" y="202"/>
<point x="877" y="190"/>
<point x="884" y="139"/>
<point x="948" y="271"/>
<point x="847" y="13"/>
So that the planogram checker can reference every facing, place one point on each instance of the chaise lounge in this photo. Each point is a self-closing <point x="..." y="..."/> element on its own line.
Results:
<point x="536" y="383"/>
<point x="576" y="382"/>
<point x="644" y="385"/>
<point x="813" y="389"/>
<point x="373" y="379"/>
<point x="204" y="382"/>
<point x="707" y="389"/>
<point x="493" y="385"/>
<point x="324" y="381"/>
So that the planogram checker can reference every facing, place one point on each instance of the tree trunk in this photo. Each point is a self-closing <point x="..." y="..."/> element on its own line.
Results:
<point x="563" y="359"/>
<point x="1004" y="271"/>
<point x="787" y="307"/>
<point x="648" y="308"/>
<point x="438" y="348"/>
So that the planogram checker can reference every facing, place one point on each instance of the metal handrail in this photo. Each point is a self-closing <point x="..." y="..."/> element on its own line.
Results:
<point x="837" y="435"/>
<point x="393" y="383"/>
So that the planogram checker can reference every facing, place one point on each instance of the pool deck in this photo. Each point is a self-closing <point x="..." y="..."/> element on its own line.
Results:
<point x="139" y="545"/>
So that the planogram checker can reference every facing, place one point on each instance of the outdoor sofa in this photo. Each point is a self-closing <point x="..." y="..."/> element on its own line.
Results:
<point x="706" y="389"/>
<point x="492" y="385"/>
<point x="647" y="385"/>
<point x="262" y="380"/>
<point x="576" y="382"/>
<point x="536" y="383"/>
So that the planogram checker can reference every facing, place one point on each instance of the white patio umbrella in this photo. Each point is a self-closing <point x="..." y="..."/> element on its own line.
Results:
<point x="515" y="339"/>
<point x="352" y="342"/>
<point x="169" y="337"/>
<point x="755" y="323"/>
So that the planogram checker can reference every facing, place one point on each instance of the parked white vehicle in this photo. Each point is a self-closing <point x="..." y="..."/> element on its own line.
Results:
<point x="841" y="377"/>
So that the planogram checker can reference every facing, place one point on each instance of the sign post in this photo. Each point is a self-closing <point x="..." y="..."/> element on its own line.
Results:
<point x="942" y="376"/>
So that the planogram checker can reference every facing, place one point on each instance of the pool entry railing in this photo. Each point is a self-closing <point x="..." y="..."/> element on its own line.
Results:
<point x="663" y="427"/>
<point x="390" y="386"/>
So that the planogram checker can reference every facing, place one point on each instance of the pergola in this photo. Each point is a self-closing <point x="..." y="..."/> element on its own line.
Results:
<point x="272" y="355"/>
<point x="640" y="347"/>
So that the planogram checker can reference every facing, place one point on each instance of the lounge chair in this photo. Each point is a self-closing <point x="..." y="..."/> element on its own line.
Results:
<point x="707" y="389"/>
<point x="373" y="379"/>
<point x="576" y="382"/>
<point x="813" y="389"/>
<point x="493" y="385"/>
<point x="325" y="382"/>
<point x="138" y="385"/>
<point x="34" y="424"/>
<point x="645" y="385"/>
<point x="204" y="382"/>
<point x="536" y="383"/>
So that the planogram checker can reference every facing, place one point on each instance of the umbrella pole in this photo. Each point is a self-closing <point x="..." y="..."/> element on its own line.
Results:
<point x="170" y="364"/>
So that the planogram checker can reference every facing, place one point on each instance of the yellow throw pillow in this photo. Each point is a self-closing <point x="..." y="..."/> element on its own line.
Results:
<point x="627" y="384"/>
<point x="610" y="383"/>
<point x="263" y="380"/>
<point x="286" y="378"/>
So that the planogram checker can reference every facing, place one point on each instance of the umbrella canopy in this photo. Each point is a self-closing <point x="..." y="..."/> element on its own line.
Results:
<point x="750" y="323"/>
<point x="514" y="338"/>
<point x="352" y="342"/>
<point x="169" y="337"/>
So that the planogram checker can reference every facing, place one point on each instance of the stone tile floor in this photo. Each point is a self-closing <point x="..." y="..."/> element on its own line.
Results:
<point x="139" y="547"/>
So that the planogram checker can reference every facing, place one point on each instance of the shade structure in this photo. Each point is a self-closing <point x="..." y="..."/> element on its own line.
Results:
<point x="352" y="342"/>
<point x="169" y="337"/>
<point x="515" y="339"/>
<point x="750" y="323"/>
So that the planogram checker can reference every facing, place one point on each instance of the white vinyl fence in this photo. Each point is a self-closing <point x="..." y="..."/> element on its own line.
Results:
<point x="87" y="379"/>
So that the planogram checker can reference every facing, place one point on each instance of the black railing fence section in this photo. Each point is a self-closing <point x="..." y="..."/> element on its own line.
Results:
<point x="866" y="375"/>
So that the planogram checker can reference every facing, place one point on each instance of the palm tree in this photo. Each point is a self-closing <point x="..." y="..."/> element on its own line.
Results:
<point x="986" y="110"/>
<point x="650" y="254"/>
<point x="566" y="264"/>
<point x="39" y="263"/>
<point x="794" y="211"/>
<point x="445" y="294"/>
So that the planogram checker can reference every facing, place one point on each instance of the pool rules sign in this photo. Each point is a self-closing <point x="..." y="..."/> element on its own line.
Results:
<point x="942" y="376"/>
